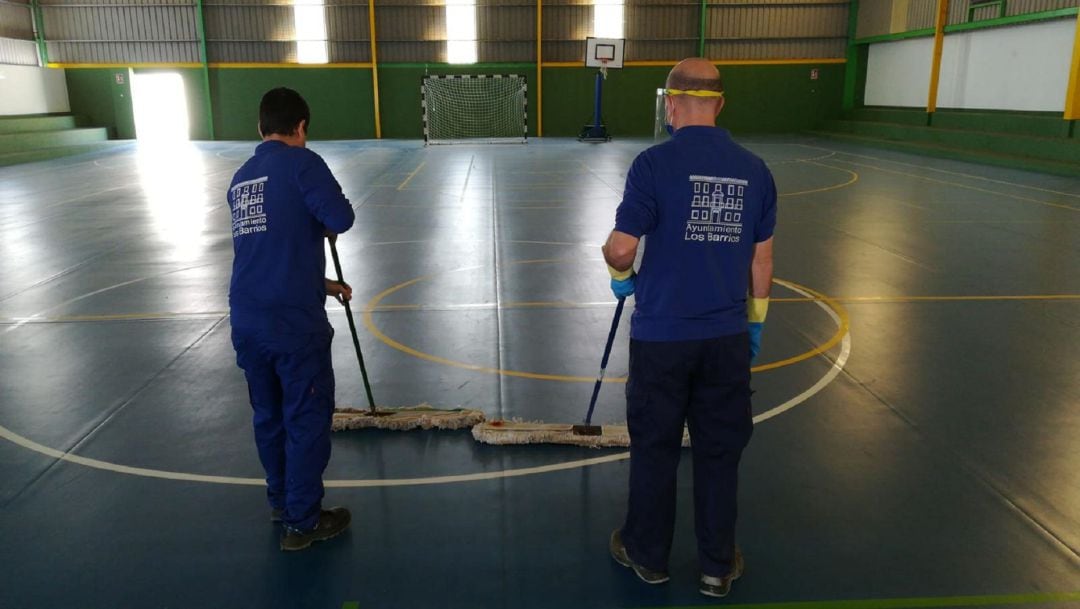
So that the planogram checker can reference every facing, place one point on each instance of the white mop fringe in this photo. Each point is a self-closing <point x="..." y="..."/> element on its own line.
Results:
<point x="422" y="416"/>
<point x="526" y="432"/>
<point x="497" y="432"/>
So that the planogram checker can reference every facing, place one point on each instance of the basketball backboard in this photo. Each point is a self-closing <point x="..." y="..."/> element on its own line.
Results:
<point x="601" y="50"/>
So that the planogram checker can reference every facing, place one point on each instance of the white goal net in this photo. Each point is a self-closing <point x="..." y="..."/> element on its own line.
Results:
<point x="474" y="108"/>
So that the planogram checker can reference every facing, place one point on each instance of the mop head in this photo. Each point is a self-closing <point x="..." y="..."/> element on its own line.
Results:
<point x="402" y="419"/>
<point x="521" y="432"/>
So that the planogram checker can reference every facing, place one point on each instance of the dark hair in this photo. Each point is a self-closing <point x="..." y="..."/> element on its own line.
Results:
<point x="281" y="111"/>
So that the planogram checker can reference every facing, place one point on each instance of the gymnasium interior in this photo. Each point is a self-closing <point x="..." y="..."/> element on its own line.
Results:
<point x="917" y="396"/>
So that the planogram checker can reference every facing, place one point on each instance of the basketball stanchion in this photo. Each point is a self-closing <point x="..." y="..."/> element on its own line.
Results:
<point x="603" y="54"/>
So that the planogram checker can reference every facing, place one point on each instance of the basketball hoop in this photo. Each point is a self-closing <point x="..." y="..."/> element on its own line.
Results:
<point x="604" y="54"/>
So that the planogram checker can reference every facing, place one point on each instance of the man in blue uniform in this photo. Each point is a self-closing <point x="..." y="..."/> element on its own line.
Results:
<point x="708" y="209"/>
<point x="284" y="201"/>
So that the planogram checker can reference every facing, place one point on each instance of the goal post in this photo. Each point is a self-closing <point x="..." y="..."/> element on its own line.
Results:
<point x="474" y="108"/>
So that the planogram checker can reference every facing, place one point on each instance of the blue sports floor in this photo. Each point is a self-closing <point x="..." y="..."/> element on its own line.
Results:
<point x="918" y="394"/>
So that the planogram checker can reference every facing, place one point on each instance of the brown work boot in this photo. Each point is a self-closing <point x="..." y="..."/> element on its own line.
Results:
<point x="618" y="552"/>
<point x="719" y="587"/>
<point x="331" y="523"/>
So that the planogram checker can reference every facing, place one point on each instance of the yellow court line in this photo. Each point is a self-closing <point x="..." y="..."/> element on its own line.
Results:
<point x="374" y="304"/>
<point x="945" y="171"/>
<point x="958" y="185"/>
<point x="841" y="332"/>
<point x="895" y="299"/>
<point x="411" y="175"/>
<point x="854" y="178"/>
<point x="386" y="308"/>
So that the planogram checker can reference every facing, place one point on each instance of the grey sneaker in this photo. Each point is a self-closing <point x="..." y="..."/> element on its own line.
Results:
<point x="276" y="514"/>
<point x="618" y="552"/>
<point x="331" y="523"/>
<point x="719" y="587"/>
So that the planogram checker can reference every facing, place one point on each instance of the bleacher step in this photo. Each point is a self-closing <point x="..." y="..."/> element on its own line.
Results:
<point x="32" y="140"/>
<point x="1042" y="165"/>
<point x="46" y="154"/>
<point x="1057" y="149"/>
<point x="44" y="122"/>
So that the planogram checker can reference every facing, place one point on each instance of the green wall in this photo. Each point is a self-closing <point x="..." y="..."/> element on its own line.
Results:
<point x="340" y="100"/>
<point x="760" y="98"/>
<point x="98" y="100"/>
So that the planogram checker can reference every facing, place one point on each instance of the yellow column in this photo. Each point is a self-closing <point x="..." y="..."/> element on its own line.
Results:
<point x="374" y="67"/>
<point x="1072" y="94"/>
<point x="935" y="68"/>
<point x="539" y="68"/>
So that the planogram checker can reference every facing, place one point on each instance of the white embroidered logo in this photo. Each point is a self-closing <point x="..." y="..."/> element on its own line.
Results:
<point x="716" y="210"/>
<point x="248" y="215"/>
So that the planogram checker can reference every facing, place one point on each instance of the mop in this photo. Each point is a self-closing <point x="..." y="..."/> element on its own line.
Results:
<point x="585" y="434"/>
<point x="422" y="416"/>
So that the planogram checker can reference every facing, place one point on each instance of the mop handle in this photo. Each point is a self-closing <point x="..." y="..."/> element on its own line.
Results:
<point x="603" y="363"/>
<point x="352" y="328"/>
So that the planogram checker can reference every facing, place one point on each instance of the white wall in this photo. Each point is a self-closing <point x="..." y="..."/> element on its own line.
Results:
<point x="1022" y="67"/>
<point x="31" y="90"/>
<point x="898" y="73"/>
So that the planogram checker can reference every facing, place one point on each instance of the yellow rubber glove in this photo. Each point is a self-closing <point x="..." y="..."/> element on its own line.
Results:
<point x="622" y="282"/>
<point x="756" y="309"/>
<point x="620" y="275"/>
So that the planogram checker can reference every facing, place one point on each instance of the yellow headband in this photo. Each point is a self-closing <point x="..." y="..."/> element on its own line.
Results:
<point x="694" y="93"/>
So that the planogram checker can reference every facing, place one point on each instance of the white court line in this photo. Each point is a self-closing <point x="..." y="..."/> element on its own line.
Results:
<point x="834" y="370"/>
<point x="945" y="171"/>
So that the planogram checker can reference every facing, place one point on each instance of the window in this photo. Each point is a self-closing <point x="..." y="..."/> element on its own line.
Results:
<point x="461" y="31"/>
<point x="608" y="19"/>
<point x="160" y="107"/>
<point x="310" y="19"/>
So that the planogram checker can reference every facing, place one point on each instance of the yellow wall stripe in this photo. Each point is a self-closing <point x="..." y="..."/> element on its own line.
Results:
<point x="137" y="65"/>
<point x="224" y="65"/>
<point x="718" y="62"/>
<point x="370" y="65"/>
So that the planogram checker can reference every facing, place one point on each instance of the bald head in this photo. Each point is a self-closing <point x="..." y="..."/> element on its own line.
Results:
<point x="694" y="74"/>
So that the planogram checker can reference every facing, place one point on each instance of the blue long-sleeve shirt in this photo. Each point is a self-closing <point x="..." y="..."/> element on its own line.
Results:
<point x="283" y="199"/>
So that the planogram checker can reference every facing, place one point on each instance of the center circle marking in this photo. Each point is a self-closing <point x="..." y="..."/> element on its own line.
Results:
<point x="372" y="305"/>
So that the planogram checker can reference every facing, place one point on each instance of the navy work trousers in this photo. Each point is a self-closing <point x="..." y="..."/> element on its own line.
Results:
<point x="704" y="384"/>
<point x="291" y="385"/>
